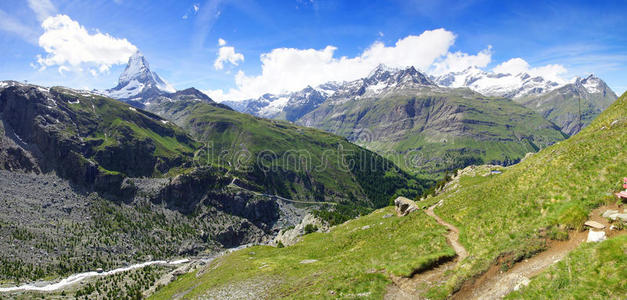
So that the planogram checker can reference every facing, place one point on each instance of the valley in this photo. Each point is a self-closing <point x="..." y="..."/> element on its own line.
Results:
<point x="313" y="149"/>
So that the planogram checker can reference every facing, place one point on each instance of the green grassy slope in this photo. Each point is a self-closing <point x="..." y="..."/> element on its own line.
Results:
<point x="288" y="160"/>
<point x="124" y="139"/>
<point x="512" y="212"/>
<point x="594" y="270"/>
<point x="432" y="131"/>
<point x="510" y="215"/>
<point x="566" y="105"/>
<point x="351" y="259"/>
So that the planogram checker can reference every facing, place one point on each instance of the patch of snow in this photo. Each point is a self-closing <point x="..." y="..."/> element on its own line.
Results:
<point x="591" y="85"/>
<point x="376" y="88"/>
<point x="274" y="107"/>
<point x="164" y="121"/>
<point x="74" y="102"/>
<point x="132" y="108"/>
<point x="132" y="88"/>
<point x="501" y="85"/>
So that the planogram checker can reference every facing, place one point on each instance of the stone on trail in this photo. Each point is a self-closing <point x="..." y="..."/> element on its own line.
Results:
<point x="404" y="206"/>
<point x="596" y="236"/>
<point x="594" y="224"/>
<point x="609" y="212"/>
<point x="308" y="261"/>
<point x="622" y="217"/>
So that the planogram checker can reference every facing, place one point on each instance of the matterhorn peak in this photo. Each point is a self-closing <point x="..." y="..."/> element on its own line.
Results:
<point x="137" y="79"/>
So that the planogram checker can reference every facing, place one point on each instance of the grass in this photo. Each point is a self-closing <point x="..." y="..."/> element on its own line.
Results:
<point x="351" y="259"/>
<point x="593" y="271"/>
<point x="556" y="187"/>
<point x="511" y="214"/>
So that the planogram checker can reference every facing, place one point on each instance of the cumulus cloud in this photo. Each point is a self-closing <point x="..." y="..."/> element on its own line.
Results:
<point x="289" y="69"/>
<point x="226" y="54"/>
<point x="70" y="46"/>
<point x="518" y="65"/>
<point x="459" y="61"/>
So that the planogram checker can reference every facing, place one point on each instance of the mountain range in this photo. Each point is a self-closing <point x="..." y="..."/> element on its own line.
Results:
<point x="562" y="103"/>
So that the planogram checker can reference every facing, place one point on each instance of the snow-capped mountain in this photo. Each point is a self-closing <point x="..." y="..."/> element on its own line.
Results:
<point x="381" y="80"/>
<point x="574" y="105"/>
<point x="497" y="84"/>
<point x="292" y="106"/>
<point x="138" y="80"/>
<point x="288" y="106"/>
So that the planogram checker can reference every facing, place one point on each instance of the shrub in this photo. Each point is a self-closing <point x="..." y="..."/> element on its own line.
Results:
<point x="310" y="228"/>
<point x="573" y="216"/>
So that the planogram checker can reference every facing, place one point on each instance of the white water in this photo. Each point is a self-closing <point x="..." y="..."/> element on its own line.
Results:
<point x="49" y="287"/>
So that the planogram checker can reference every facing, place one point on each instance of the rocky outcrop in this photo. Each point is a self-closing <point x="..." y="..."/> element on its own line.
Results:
<point x="292" y="236"/>
<point x="404" y="206"/>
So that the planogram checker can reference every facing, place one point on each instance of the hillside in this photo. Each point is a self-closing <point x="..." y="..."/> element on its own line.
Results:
<point x="428" y="129"/>
<point x="502" y="219"/>
<point x="570" y="105"/>
<point x="574" y="105"/>
<point x="90" y="182"/>
<point x="92" y="140"/>
<point x="292" y="161"/>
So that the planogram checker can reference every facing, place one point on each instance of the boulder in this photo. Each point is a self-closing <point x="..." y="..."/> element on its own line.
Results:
<point x="594" y="224"/>
<point x="609" y="212"/>
<point x="615" y="217"/>
<point x="622" y="217"/>
<point x="596" y="236"/>
<point x="404" y="206"/>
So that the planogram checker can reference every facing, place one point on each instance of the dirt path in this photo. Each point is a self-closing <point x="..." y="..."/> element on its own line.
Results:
<point x="495" y="284"/>
<point x="412" y="287"/>
<point x="452" y="236"/>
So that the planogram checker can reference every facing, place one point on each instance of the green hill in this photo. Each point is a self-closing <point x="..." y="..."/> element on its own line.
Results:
<point x="432" y="130"/>
<point x="291" y="161"/>
<point x="92" y="140"/>
<point x="508" y="216"/>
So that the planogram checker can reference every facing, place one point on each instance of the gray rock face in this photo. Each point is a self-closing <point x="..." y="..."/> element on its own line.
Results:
<point x="404" y="206"/>
<point x="292" y="236"/>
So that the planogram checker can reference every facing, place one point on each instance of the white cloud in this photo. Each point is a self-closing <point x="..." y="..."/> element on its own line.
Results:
<point x="196" y="7"/>
<point x="518" y="65"/>
<point x="458" y="61"/>
<point x="70" y="46"/>
<point x="226" y="54"/>
<point x="42" y="8"/>
<point x="289" y="69"/>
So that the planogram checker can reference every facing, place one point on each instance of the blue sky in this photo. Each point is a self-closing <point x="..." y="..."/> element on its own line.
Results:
<point x="181" y="40"/>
